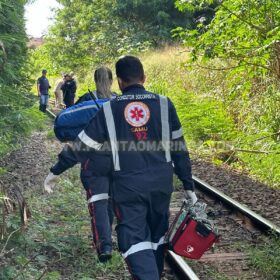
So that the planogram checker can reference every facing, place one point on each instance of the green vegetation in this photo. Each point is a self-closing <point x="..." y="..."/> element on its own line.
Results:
<point x="223" y="77"/>
<point x="266" y="257"/>
<point x="100" y="31"/>
<point x="236" y="59"/>
<point x="209" y="124"/>
<point x="56" y="244"/>
<point x="18" y="117"/>
<point x="225" y="83"/>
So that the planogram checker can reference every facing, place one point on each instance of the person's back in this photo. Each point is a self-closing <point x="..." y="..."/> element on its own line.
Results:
<point x="143" y="133"/>
<point x="69" y="90"/>
<point x="138" y="121"/>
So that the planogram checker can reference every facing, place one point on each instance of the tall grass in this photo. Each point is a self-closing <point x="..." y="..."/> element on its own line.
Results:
<point x="216" y="118"/>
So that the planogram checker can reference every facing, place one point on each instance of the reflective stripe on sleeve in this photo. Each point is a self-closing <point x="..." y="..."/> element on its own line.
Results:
<point x="177" y="134"/>
<point x="165" y="126"/>
<point x="88" y="141"/>
<point x="146" y="245"/>
<point x="98" y="197"/>
<point x="112" y="134"/>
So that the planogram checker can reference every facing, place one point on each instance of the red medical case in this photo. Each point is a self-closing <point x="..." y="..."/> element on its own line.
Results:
<point x="190" y="238"/>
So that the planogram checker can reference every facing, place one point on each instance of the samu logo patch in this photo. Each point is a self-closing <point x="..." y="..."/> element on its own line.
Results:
<point x="137" y="114"/>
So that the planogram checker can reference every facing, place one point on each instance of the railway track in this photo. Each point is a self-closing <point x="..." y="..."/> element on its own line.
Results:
<point x="239" y="227"/>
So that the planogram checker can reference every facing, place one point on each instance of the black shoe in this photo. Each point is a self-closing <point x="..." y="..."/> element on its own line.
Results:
<point x="104" y="257"/>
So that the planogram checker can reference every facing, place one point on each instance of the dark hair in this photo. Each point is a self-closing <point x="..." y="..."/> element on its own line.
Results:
<point x="103" y="78"/>
<point x="44" y="71"/>
<point x="130" y="69"/>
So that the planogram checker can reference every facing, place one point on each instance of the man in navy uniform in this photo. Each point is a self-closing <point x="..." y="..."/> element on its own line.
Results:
<point x="43" y="87"/>
<point x="143" y="134"/>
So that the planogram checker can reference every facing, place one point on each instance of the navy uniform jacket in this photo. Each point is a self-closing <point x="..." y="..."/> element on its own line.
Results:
<point x="69" y="88"/>
<point x="142" y="133"/>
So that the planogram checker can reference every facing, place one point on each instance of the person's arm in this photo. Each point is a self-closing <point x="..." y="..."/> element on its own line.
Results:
<point x="89" y="141"/>
<point x="66" y="160"/>
<point x="180" y="155"/>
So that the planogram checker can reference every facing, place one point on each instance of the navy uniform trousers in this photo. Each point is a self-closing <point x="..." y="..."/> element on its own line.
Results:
<point x="99" y="206"/>
<point x="95" y="177"/>
<point x="143" y="217"/>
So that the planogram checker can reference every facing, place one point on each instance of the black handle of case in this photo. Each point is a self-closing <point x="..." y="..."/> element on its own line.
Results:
<point x="202" y="230"/>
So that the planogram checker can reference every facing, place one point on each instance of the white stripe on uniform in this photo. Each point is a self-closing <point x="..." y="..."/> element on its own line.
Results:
<point x="177" y="134"/>
<point x="98" y="197"/>
<point x="165" y="126"/>
<point x="112" y="134"/>
<point x="145" y="245"/>
<point x="88" y="141"/>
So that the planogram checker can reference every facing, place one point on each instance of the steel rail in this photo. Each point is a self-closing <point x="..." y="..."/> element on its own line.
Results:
<point x="51" y="113"/>
<point x="259" y="221"/>
<point x="183" y="270"/>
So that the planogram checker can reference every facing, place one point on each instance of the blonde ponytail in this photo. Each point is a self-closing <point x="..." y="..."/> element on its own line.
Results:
<point x="103" y="78"/>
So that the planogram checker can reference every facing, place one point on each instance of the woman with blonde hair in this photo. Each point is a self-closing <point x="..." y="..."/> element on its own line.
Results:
<point x="103" y="78"/>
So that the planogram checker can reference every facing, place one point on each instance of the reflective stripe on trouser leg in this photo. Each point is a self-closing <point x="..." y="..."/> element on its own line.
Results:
<point x="98" y="197"/>
<point x="165" y="126"/>
<point x="112" y="134"/>
<point x="93" y="223"/>
<point x="143" y="266"/>
<point x="146" y="245"/>
<point x="159" y="223"/>
<point x="132" y="228"/>
<point x="101" y="228"/>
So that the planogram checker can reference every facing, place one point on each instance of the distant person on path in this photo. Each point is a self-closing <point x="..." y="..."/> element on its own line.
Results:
<point x="43" y="87"/>
<point x="58" y="92"/>
<point x="69" y="90"/>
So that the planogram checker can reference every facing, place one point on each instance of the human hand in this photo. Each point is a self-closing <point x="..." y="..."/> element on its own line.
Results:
<point x="50" y="182"/>
<point x="190" y="196"/>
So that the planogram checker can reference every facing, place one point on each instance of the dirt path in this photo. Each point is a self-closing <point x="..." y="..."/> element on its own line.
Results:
<point x="59" y="227"/>
<point x="28" y="166"/>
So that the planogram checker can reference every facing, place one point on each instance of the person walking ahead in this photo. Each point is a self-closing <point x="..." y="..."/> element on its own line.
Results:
<point x="43" y="87"/>
<point x="140" y="128"/>
<point x="95" y="176"/>
<point x="69" y="90"/>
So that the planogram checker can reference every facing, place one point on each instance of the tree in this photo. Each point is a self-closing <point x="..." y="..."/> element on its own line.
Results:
<point x="151" y="20"/>
<point x="90" y="32"/>
<point x="13" y="51"/>
<point x="243" y="32"/>
<point x="242" y="41"/>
